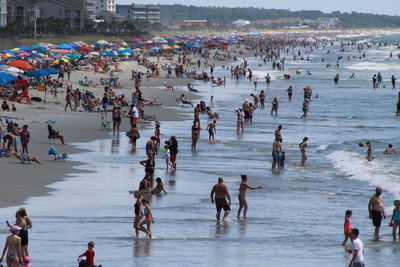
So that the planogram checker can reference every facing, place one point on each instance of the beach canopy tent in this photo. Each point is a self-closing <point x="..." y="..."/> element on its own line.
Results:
<point x="51" y="70"/>
<point x="64" y="46"/>
<point x="38" y="73"/>
<point x="6" y="78"/>
<point x="21" y="64"/>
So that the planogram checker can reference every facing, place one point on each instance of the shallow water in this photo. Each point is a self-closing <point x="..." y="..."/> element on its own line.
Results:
<point x="295" y="220"/>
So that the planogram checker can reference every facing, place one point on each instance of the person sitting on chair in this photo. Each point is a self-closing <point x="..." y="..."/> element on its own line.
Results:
<point x="53" y="134"/>
<point x="184" y="101"/>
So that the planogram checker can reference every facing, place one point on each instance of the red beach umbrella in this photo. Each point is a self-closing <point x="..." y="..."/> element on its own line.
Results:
<point x="21" y="64"/>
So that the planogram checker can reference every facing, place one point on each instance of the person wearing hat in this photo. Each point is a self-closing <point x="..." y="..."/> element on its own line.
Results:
<point x="376" y="209"/>
<point x="13" y="248"/>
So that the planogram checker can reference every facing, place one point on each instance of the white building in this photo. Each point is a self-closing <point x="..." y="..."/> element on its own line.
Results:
<point x="241" y="23"/>
<point x="105" y="5"/>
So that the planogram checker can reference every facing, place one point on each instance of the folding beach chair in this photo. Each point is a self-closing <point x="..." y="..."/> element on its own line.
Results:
<point x="57" y="156"/>
<point x="23" y="158"/>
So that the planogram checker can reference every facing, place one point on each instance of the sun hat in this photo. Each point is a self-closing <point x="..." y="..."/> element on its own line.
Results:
<point x="15" y="228"/>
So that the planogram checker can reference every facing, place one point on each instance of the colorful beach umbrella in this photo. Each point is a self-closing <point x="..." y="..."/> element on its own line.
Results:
<point x="21" y="64"/>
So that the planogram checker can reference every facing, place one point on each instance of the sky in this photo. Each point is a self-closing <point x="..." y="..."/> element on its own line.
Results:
<point x="389" y="7"/>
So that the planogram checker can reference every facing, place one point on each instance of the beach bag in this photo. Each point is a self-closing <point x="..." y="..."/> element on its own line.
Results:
<point x="128" y="134"/>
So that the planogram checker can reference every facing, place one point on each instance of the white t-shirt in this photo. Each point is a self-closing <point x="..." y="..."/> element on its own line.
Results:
<point x="359" y="246"/>
<point x="135" y="112"/>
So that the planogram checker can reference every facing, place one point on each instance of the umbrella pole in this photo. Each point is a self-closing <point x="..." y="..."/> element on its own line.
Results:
<point x="45" y="94"/>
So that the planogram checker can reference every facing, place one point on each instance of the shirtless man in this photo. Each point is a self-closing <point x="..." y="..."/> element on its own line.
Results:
<point x="13" y="248"/>
<point x="390" y="150"/>
<point x="276" y="152"/>
<point x="303" y="150"/>
<point x="376" y="209"/>
<point x="212" y="129"/>
<point x="221" y="193"/>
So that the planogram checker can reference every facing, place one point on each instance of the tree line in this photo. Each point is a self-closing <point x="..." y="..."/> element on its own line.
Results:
<point x="225" y="15"/>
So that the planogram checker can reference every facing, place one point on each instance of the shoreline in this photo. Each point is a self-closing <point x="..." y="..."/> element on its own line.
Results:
<point x="24" y="181"/>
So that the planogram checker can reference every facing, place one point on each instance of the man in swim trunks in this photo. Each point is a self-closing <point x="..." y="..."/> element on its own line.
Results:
<point x="221" y="193"/>
<point x="376" y="209"/>
<point x="212" y="129"/>
<point x="276" y="152"/>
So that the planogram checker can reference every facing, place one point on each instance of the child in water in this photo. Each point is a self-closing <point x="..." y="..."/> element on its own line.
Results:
<point x="347" y="226"/>
<point x="148" y="217"/>
<point x="159" y="187"/>
<point x="167" y="156"/>
<point x="282" y="160"/>
<point x="89" y="254"/>
<point x="395" y="221"/>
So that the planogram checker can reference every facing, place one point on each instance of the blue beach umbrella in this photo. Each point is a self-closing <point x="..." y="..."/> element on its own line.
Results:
<point x="38" y="73"/>
<point x="51" y="70"/>
<point x="64" y="46"/>
<point x="6" y="78"/>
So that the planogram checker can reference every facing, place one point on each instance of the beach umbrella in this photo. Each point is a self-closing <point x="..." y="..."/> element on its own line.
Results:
<point x="102" y="42"/>
<point x="73" y="56"/>
<point x="112" y="53"/>
<point x="38" y="73"/>
<point x="51" y="70"/>
<point x="25" y="48"/>
<point x="95" y="54"/>
<point x="61" y="60"/>
<point x="7" y="55"/>
<point x="48" y="59"/>
<point x="137" y="49"/>
<point x="64" y="46"/>
<point x="42" y="49"/>
<point x="21" y="64"/>
<point x="6" y="78"/>
<point x="136" y="40"/>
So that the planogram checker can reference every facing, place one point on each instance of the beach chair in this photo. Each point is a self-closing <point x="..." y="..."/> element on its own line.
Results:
<point x="23" y="158"/>
<point x="57" y="156"/>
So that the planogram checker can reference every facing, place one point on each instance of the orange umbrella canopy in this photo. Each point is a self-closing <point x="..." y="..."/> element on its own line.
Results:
<point x="21" y="64"/>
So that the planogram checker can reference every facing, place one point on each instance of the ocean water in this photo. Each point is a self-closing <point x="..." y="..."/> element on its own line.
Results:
<point x="296" y="219"/>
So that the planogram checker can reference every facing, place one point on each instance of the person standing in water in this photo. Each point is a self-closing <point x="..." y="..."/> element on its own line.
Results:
<point x="221" y="193"/>
<point x="275" y="106"/>
<point x="393" y="80"/>
<point x="242" y="195"/>
<point x="276" y="152"/>
<point x="369" y="151"/>
<point x="195" y="134"/>
<point x="13" y="248"/>
<point x="303" y="151"/>
<point x="358" y="250"/>
<point x="305" y="109"/>
<point x="212" y="130"/>
<point x="268" y="81"/>
<point x="376" y="209"/>
<point x="262" y="98"/>
<point x="290" y="93"/>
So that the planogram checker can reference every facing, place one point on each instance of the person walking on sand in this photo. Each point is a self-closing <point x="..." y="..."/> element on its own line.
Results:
<point x="242" y="195"/>
<point x="358" y="250"/>
<point x="219" y="195"/>
<point x="212" y="130"/>
<point x="376" y="209"/>
<point x="116" y="118"/>
<point x="13" y="248"/>
<point x="303" y="151"/>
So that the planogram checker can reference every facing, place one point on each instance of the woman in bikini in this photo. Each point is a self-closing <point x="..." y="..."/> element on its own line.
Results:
<point x="116" y="118"/>
<point x="13" y="248"/>
<point x="242" y="195"/>
<point x="157" y="135"/>
<point x="262" y="98"/>
<point x="24" y="137"/>
<point x="138" y="214"/>
<point x="149" y="166"/>
<point x="195" y="134"/>
<point x="275" y="104"/>
<point x="25" y="223"/>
